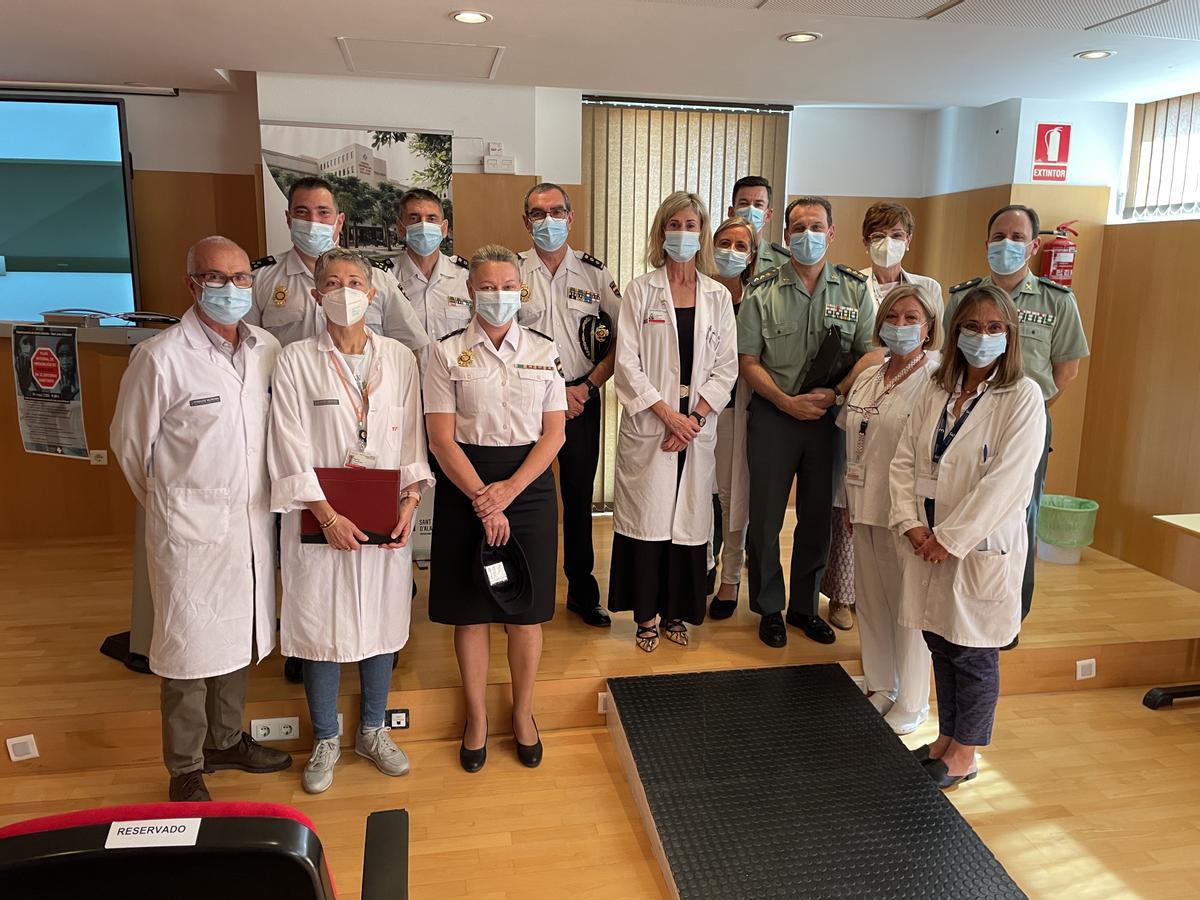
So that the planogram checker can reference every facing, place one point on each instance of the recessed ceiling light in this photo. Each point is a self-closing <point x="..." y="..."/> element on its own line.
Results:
<point x="471" y="17"/>
<point x="1095" y="54"/>
<point x="801" y="37"/>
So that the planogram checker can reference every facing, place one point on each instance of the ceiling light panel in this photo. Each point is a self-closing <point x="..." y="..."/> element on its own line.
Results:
<point x="367" y="56"/>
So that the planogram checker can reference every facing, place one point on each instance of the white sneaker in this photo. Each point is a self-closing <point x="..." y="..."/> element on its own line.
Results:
<point x="318" y="774"/>
<point x="904" y="722"/>
<point x="376" y="745"/>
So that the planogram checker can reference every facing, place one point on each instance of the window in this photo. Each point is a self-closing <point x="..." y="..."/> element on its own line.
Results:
<point x="1164" y="161"/>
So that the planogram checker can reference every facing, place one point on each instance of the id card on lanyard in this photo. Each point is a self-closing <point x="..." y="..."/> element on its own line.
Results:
<point x="359" y="396"/>
<point x="927" y="487"/>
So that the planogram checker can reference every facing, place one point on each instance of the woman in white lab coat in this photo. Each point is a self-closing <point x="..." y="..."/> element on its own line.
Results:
<point x="895" y="658"/>
<point x="345" y="397"/>
<point x="676" y="365"/>
<point x="735" y="254"/>
<point x="961" y="479"/>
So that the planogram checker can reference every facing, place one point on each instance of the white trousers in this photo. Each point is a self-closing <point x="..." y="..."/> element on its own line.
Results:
<point x="895" y="659"/>
<point x="733" y="543"/>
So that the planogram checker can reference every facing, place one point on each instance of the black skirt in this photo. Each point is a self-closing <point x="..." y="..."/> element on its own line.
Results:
<point x="455" y="597"/>
<point x="658" y="578"/>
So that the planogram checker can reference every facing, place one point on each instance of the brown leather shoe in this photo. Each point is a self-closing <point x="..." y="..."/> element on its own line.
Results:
<point x="247" y="755"/>
<point x="188" y="788"/>
<point x="840" y="616"/>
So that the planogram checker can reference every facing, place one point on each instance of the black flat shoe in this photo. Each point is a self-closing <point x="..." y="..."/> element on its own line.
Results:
<point x="710" y="586"/>
<point x="595" y="615"/>
<point x="293" y="670"/>
<point x="941" y="776"/>
<point x="771" y="631"/>
<point x="530" y="755"/>
<point x="722" y="609"/>
<point x="472" y="760"/>
<point x="814" y="627"/>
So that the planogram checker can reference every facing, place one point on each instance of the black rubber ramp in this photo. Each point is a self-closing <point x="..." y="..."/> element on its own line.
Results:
<point x="785" y="782"/>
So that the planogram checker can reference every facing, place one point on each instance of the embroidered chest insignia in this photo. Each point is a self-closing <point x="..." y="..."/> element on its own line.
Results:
<point x="465" y="358"/>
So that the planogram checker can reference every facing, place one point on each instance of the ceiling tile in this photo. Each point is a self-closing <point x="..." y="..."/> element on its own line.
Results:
<point x="368" y="56"/>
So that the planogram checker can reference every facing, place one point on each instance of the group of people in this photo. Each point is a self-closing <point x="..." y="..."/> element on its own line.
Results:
<point x="915" y="432"/>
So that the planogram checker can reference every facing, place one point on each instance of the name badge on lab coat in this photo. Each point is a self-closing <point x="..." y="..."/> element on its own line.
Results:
<point x="361" y="459"/>
<point x="927" y="487"/>
<point x="855" y="474"/>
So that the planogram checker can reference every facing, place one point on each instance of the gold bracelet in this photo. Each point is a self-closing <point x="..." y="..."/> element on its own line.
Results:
<point x="415" y="495"/>
<point x="329" y="524"/>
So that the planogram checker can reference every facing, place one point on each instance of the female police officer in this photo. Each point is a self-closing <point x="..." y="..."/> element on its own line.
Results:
<point x="495" y="406"/>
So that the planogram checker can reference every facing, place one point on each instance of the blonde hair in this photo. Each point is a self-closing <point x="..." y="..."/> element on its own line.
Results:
<point x="739" y="222"/>
<point x="902" y="292"/>
<point x="656" y="256"/>
<point x="490" y="253"/>
<point x="1009" y="368"/>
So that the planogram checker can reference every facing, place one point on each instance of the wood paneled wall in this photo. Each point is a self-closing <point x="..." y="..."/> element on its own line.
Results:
<point x="847" y="247"/>
<point x="1141" y="434"/>
<point x="488" y="210"/>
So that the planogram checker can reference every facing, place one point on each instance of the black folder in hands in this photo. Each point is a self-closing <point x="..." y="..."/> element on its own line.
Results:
<point x="370" y="498"/>
<point x="829" y="366"/>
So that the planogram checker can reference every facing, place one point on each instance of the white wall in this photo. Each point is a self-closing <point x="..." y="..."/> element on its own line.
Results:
<point x="970" y="147"/>
<point x="558" y="127"/>
<point x="1097" y="139"/>
<point x="856" y="152"/>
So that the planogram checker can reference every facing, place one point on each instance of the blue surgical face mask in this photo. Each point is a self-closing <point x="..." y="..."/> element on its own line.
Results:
<point x="311" y="238"/>
<point x="681" y="246"/>
<point x="1006" y="257"/>
<point x="981" y="350"/>
<point x="550" y="233"/>
<point x="807" y="247"/>
<point x="497" y="307"/>
<point x="423" y="238"/>
<point x="752" y="214"/>
<point x="730" y="262"/>
<point x="226" y="304"/>
<point x="900" y="339"/>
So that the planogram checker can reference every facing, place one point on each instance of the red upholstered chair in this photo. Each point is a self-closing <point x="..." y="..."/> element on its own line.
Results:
<point x="192" y="851"/>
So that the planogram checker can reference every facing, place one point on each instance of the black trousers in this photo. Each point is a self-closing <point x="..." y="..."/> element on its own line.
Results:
<point x="780" y="448"/>
<point x="968" y="685"/>
<point x="1031" y="516"/>
<point x="577" y="461"/>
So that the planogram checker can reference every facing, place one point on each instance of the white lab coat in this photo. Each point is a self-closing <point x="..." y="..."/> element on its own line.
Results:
<point x="648" y="504"/>
<point x="342" y="606"/>
<point x="930" y="287"/>
<point x="973" y="598"/>
<point x="190" y="437"/>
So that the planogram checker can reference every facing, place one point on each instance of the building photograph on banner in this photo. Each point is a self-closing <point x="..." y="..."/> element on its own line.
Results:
<point x="369" y="169"/>
<point x="49" y="401"/>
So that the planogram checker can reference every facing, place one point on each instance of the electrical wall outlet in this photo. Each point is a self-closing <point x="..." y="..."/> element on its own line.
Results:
<point x="602" y="703"/>
<point x="1084" y="669"/>
<point x="22" y="748"/>
<point x="99" y="457"/>
<point x="286" y="728"/>
<point x="396" y="718"/>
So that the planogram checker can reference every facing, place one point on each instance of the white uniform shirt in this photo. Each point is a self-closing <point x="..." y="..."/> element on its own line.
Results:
<point x="441" y="301"/>
<point x="556" y="304"/>
<point x="870" y="502"/>
<point x="498" y="396"/>
<point x="284" y="305"/>
<point x="338" y="605"/>
<point x="930" y="288"/>
<point x="190" y="435"/>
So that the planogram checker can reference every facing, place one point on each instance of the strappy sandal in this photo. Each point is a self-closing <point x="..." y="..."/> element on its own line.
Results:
<point x="676" y="631"/>
<point x="647" y="637"/>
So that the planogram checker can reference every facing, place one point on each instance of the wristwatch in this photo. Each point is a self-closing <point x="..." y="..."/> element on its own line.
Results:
<point x="592" y="389"/>
<point x="839" y="399"/>
<point x="700" y="420"/>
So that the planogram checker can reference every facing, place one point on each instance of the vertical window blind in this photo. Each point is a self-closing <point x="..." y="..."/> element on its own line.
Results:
<point x="636" y="154"/>
<point x="1164" y="161"/>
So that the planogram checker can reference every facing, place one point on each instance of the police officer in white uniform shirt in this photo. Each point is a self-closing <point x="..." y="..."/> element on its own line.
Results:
<point x="435" y="283"/>
<point x="190" y="432"/>
<point x="565" y="293"/>
<point x="283" y="302"/>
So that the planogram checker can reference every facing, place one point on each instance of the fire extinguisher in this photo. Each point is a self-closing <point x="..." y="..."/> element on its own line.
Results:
<point x="1058" y="256"/>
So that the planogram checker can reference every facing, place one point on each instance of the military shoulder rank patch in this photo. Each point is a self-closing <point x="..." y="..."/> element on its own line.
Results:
<point x="853" y="273"/>
<point x="612" y="286"/>
<point x="591" y="260"/>
<point x="1034" y="317"/>
<point x="462" y="263"/>
<point x="544" y="337"/>
<point x="763" y="277"/>
<point x="842" y="313"/>
<point x="451" y="334"/>
<point x="966" y="285"/>
<point x="259" y="263"/>
<point x="1054" y="284"/>
<point x="384" y="264"/>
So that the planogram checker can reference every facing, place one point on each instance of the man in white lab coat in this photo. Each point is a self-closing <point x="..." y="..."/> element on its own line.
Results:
<point x="189" y="432"/>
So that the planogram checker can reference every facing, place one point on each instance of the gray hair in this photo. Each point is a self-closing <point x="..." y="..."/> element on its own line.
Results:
<point x="543" y="187"/>
<point x="489" y="253"/>
<point x="213" y="240"/>
<point x="337" y="254"/>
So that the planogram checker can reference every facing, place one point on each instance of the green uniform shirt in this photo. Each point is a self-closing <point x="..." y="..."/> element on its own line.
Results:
<point x="783" y="326"/>
<point x="1051" y="330"/>
<point x="771" y="256"/>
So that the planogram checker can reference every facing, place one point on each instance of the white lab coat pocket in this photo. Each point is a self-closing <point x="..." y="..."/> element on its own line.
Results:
<point x="197" y="516"/>
<point x="984" y="576"/>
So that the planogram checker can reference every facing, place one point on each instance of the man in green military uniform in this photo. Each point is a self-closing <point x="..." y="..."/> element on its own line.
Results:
<point x="1052" y="338"/>
<point x="800" y="328"/>
<point x="752" y="201"/>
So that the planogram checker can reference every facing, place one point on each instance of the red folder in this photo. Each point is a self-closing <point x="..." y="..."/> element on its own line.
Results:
<point x="370" y="498"/>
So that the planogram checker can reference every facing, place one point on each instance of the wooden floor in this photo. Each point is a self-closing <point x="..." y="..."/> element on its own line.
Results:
<point x="1081" y="796"/>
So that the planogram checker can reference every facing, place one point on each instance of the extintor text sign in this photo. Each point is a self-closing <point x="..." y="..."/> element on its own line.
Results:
<point x="1051" y="152"/>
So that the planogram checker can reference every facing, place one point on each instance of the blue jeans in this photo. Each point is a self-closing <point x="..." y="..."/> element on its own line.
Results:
<point x="321" y="680"/>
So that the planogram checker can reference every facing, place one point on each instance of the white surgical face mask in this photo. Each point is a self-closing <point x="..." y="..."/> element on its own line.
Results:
<point x="497" y="307"/>
<point x="730" y="262"/>
<point x="681" y="245"/>
<point x="311" y="238"/>
<point x="1006" y="257"/>
<point x="887" y="252"/>
<point x="345" y="306"/>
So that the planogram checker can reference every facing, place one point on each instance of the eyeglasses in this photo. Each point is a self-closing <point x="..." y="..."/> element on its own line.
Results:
<point x="537" y="215"/>
<point x="220" y="279"/>
<point x="992" y="328"/>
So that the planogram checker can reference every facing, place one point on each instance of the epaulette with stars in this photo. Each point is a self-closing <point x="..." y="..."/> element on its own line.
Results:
<point x="1054" y="284"/>
<point x="763" y="277"/>
<point x="260" y="263"/>
<point x="384" y="264"/>
<point x="853" y="273"/>
<point x="591" y="260"/>
<point x="779" y="248"/>
<point x="460" y="262"/>
<point x="539" y="334"/>
<point x="451" y="334"/>
<point x="966" y="285"/>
